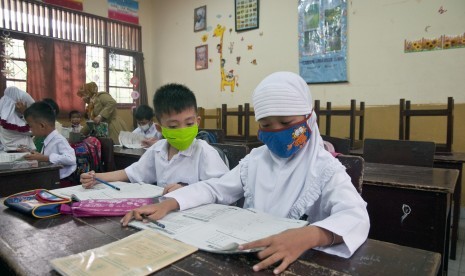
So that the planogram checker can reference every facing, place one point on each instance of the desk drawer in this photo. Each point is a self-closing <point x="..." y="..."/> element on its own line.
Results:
<point x="408" y="217"/>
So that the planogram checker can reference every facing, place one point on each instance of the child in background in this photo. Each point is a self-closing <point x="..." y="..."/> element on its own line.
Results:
<point x="180" y="158"/>
<point x="146" y="127"/>
<point x="14" y="132"/>
<point x="40" y="116"/>
<point x="291" y="176"/>
<point x="75" y="119"/>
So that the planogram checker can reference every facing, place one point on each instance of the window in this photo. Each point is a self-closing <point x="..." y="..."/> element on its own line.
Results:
<point x="113" y="48"/>
<point x="14" y="59"/>
<point x="120" y="74"/>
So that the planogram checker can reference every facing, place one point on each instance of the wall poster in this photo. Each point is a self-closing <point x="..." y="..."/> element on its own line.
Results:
<point x="323" y="40"/>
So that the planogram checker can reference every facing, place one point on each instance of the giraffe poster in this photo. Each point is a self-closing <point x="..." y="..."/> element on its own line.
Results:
<point x="227" y="79"/>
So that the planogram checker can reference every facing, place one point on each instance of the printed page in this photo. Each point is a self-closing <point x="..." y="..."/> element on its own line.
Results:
<point x="139" y="254"/>
<point x="220" y="228"/>
<point x="130" y="140"/>
<point x="102" y="191"/>
<point x="175" y="224"/>
<point x="225" y="233"/>
<point x="12" y="156"/>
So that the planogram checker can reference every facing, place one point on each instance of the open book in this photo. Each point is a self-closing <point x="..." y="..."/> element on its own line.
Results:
<point x="219" y="228"/>
<point x="139" y="254"/>
<point x="130" y="140"/>
<point x="102" y="191"/>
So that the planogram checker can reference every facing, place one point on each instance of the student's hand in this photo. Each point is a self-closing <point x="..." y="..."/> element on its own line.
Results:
<point x="287" y="246"/>
<point x="152" y="211"/>
<point x="34" y="155"/>
<point x="88" y="179"/>
<point x="171" y="187"/>
<point x="148" y="142"/>
<point x="97" y="119"/>
<point x="20" y="107"/>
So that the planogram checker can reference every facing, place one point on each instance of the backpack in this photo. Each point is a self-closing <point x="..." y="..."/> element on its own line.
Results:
<point x="88" y="156"/>
<point x="210" y="138"/>
<point x="207" y="136"/>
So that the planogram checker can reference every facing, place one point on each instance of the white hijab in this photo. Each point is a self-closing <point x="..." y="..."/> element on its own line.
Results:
<point x="286" y="187"/>
<point x="9" y="117"/>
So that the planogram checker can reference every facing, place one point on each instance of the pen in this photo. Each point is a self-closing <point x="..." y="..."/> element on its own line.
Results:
<point x="106" y="183"/>
<point x="161" y="225"/>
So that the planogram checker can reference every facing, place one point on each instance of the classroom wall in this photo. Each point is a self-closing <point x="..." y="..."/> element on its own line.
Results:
<point x="379" y="71"/>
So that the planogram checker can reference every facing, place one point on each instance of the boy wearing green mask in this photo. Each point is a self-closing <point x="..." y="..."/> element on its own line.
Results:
<point x="179" y="158"/>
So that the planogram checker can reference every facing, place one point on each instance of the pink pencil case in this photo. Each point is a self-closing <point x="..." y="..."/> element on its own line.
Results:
<point x="103" y="207"/>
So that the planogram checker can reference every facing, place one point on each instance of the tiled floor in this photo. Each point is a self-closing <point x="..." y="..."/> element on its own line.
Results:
<point x="457" y="266"/>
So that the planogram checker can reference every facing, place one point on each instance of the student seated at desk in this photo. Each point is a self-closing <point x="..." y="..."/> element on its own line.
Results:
<point x="14" y="132"/>
<point x="146" y="126"/>
<point x="291" y="176"/>
<point x="40" y="116"/>
<point x="180" y="158"/>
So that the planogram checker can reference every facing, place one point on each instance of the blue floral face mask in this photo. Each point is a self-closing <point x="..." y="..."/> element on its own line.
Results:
<point x="287" y="141"/>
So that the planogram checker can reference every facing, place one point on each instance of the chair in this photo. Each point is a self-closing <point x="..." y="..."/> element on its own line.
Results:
<point x="405" y="113"/>
<point x="243" y="115"/>
<point x="108" y="162"/>
<point x="203" y="117"/>
<point x="355" y="167"/>
<point x="352" y="113"/>
<point x="341" y="145"/>
<point x="234" y="152"/>
<point x="399" y="152"/>
<point x="218" y="133"/>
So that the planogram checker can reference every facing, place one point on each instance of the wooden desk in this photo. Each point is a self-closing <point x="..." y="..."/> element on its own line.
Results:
<point x="453" y="160"/>
<point x="410" y="205"/>
<point x="45" y="176"/>
<point x="125" y="157"/>
<point x="28" y="244"/>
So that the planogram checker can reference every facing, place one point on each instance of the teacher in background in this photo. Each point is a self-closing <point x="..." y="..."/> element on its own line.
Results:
<point x="101" y="107"/>
<point x="14" y="131"/>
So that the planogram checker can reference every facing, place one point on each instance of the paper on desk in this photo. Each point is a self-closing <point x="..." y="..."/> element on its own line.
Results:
<point x="215" y="227"/>
<point x="130" y="140"/>
<point x="139" y="254"/>
<point x="12" y="156"/>
<point x="102" y="191"/>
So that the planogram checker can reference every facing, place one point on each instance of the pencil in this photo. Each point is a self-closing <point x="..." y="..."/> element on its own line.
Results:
<point x="106" y="183"/>
<point x="161" y="225"/>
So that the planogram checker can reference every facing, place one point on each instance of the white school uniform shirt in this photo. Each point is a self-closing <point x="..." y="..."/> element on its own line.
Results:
<point x="58" y="150"/>
<point x="151" y="132"/>
<point x="331" y="201"/>
<point x="198" y="162"/>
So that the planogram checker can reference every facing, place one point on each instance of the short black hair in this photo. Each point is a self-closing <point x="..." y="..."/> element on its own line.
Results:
<point x="74" y="112"/>
<point x="53" y="104"/>
<point x="143" y="112"/>
<point x="41" y="111"/>
<point x="173" y="97"/>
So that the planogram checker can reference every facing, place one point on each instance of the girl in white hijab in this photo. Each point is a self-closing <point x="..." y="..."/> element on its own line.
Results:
<point x="14" y="131"/>
<point x="291" y="176"/>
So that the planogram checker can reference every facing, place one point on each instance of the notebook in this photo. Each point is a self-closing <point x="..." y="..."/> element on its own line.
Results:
<point x="139" y="254"/>
<point x="102" y="191"/>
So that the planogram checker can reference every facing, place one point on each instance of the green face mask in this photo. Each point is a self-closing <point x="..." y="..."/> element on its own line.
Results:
<point x="180" y="138"/>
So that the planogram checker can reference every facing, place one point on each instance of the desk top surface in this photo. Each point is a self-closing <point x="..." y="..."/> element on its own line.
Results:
<point x="418" y="178"/>
<point x="453" y="157"/>
<point x="43" y="166"/>
<point x="28" y="244"/>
